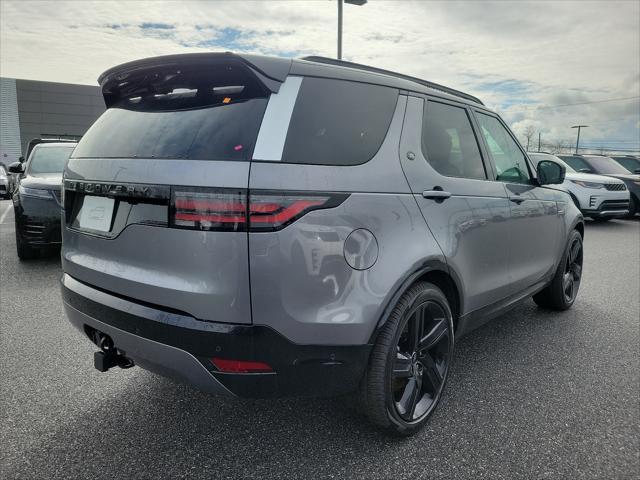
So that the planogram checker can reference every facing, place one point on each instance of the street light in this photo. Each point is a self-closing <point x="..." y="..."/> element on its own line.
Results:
<point x="578" y="139"/>
<point x="358" y="3"/>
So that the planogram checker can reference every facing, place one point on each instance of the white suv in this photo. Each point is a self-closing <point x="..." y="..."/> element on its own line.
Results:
<point x="599" y="197"/>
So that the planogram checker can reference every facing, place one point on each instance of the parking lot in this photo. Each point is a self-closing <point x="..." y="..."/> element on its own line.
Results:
<point x="533" y="394"/>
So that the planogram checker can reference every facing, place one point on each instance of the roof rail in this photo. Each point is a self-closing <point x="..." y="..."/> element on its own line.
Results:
<point x="367" y="68"/>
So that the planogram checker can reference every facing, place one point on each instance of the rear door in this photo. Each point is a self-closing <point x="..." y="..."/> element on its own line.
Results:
<point x="156" y="191"/>
<point x="465" y="209"/>
<point x="536" y="224"/>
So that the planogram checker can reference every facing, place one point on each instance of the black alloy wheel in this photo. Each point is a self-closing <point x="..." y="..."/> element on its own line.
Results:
<point x="422" y="361"/>
<point x="410" y="360"/>
<point x="573" y="271"/>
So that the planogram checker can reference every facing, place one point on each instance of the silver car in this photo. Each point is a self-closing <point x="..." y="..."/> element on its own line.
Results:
<point x="263" y="227"/>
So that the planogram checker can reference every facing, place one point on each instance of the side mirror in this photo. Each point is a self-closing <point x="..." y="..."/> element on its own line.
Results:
<point x="21" y="159"/>
<point x="16" y="167"/>
<point x="550" y="173"/>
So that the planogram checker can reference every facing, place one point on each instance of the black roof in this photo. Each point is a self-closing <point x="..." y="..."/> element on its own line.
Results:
<point x="367" y="68"/>
<point x="273" y="70"/>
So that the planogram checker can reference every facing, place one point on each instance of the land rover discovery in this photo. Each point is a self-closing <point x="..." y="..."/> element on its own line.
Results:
<point x="263" y="227"/>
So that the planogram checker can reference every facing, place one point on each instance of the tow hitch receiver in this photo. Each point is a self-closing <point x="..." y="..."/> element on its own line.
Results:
<point x="108" y="356"/>
<point x="103" y="361"/>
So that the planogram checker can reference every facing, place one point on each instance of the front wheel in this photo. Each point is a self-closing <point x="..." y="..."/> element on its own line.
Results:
<point x="410" y="361"/>
<point x="563" y="289"/>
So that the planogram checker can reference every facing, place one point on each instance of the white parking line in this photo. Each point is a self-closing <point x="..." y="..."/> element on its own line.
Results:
<point x="4" y="214"/>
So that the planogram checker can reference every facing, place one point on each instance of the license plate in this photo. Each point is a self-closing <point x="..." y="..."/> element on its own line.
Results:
<point x="96" y="213"/>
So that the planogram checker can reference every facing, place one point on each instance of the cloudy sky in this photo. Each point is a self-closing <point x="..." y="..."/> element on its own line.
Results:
<point x="549" y="64"/>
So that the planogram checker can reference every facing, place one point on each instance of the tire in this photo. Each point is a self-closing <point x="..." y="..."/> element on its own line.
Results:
<point x="24" y="251"/>
<point x="633" y="206"/>
<point x="387" y="392"/>
<point x="555" y="295"/>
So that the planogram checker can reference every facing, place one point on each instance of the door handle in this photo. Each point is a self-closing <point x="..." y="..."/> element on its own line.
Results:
<point x="517" y="199"/>
<point x="437" y="195"/>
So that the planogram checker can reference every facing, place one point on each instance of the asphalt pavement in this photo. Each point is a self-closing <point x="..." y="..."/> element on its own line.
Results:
<point x="533" y="394"/>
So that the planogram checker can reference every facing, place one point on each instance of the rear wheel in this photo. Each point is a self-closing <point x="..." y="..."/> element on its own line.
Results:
<point x="563" y="289"/>
<point x="410" y="361"/>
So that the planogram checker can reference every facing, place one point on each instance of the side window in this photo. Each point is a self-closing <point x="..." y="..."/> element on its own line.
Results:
<point x="510" y="162"/>
<point x="448" y="142"/>
<point x="337" y="122"/>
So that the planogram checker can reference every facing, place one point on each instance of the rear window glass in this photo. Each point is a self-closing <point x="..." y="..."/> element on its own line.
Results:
<point x="336" y="122"/>
<point x="49" y="159"/>
<point x="204" y="113"/>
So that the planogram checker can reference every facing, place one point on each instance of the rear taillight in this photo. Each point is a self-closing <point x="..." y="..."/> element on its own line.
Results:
<point x="205" y="209"/>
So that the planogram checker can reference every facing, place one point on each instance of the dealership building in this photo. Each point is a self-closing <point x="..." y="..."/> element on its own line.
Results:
<point x="33" y="109"/>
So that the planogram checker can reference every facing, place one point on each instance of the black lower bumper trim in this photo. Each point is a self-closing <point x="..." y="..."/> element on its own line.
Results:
<point x="300" y="370"/>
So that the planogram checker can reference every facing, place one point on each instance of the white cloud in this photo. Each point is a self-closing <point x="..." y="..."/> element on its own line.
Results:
<point x="513" y="55"/>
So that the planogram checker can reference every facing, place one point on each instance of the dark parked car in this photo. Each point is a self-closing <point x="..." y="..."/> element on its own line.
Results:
<point x="262" y="227"/>
<point x="629" y="162"/>
<point x="37" y="198"/>
<point x="607" y="166"/>
<point x="4" y="183"/>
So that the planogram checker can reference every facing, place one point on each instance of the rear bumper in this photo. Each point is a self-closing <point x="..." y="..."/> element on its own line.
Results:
<point x="178" y="346"/>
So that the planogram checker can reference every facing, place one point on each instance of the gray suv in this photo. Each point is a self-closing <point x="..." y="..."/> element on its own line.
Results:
<point x="263" y="227"/>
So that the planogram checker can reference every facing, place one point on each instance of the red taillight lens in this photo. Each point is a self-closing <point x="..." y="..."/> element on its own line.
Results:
<point x="210" y="209"/>
<point x="240" y="366"/>
<point x="275" y="211"/>
<point x="223" y="209"/>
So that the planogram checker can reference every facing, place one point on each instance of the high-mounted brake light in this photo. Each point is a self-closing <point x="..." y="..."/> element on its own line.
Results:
<point x="222" y="209"/>
<point x="240" y="366"/>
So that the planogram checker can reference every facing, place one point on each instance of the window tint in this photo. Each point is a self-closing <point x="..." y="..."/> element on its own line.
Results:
<point x="606" y="165"/>
<point x="336" y="122"/>
<point x="448" y="142"/>
<point x="629" y="163"/>
<point x="510" y="162"/>
<point x="578" y="164"/>
<point x="49" y="159"/>
<point x="221" y="132"/>
<point x="200" y="112"/>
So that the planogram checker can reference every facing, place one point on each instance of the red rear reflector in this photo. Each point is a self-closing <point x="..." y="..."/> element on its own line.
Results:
<point x="240" y="366"/>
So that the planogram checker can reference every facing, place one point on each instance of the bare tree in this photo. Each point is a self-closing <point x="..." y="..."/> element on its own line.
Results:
<point x="529" y="132"/>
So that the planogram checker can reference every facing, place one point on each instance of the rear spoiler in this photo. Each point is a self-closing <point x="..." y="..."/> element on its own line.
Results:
<point x="271" y="72"/>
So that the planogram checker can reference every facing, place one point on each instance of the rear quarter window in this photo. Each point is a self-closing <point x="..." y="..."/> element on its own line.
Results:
<point x="336" y="122"/>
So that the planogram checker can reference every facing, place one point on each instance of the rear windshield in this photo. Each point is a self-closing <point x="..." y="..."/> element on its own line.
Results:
<point x="336" y="122"/>
<point x="206" y="113"/>
<point x="49" y="159"/>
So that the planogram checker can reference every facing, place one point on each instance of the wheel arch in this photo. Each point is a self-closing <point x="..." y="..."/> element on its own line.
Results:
<point x="435" y="272"/>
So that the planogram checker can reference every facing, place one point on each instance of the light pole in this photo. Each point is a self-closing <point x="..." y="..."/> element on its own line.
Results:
<point x="359" y="3"/>
<point x="578" y="139"/>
